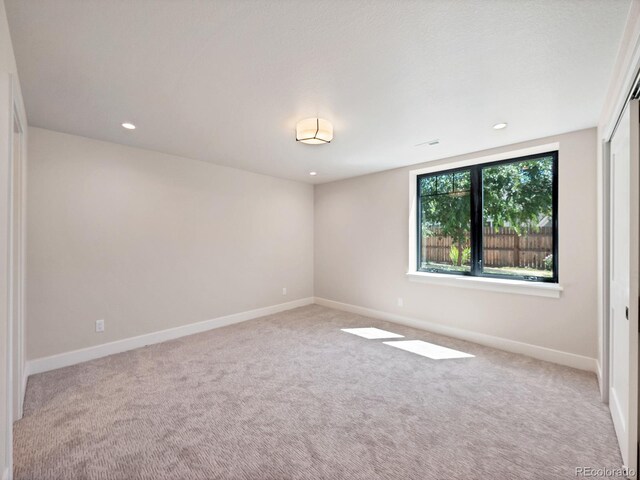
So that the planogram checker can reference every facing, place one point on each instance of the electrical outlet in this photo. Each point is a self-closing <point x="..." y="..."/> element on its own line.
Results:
<point x="284" y="290"/>
<point x="99" y="326"/>
<point x="400" y="302"/>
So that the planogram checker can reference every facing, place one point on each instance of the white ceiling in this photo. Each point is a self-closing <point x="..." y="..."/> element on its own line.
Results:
<point x="226" y="81"/>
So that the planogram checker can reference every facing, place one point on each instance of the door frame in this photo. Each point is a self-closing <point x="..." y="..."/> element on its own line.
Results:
<point x="606" y="269"/>
<point x="629" y="90"/>
<point x="17" y="285"/>
<point x="12" y="114"/>
<point x="624" y="84"/>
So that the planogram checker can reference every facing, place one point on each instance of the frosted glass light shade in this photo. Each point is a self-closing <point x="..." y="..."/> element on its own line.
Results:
<point x="314" y="131"/>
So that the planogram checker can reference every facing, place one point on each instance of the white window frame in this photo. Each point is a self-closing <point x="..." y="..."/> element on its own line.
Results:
<point x="483" y="283"/>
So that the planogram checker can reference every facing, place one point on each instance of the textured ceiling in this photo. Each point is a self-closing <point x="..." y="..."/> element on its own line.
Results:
<point x="225" y="81"/>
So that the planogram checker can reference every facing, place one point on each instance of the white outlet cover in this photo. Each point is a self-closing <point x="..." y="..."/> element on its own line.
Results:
<point x="400" y="302"/>
<point x="99" y="325"/>
<point x="284" y="290"/>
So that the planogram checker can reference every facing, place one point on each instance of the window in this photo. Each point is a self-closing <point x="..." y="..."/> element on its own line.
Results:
<point x="494" y="219"/>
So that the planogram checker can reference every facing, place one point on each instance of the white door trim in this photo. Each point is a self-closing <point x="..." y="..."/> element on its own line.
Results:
<point x="603" y="371"/>
<point x="17" y="252"/>
<point x="11" y="100"/>
<point x="6" y="128"/>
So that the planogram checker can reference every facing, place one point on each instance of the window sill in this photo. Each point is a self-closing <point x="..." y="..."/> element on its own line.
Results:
<point x="521" y="287"/>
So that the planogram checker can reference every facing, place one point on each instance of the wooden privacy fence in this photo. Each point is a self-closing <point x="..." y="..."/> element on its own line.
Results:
<point x="502" y="247"/>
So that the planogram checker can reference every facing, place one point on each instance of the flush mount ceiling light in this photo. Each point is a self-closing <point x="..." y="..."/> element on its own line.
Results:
<point x="313" y="174"/>
<point x="129" y="126"/>
<point x="314" y="131"/>
<point x="499" y="126"/>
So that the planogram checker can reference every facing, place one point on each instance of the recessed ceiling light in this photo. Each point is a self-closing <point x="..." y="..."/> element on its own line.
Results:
<point x="313" y="174"/>
<point x="499" y="126"/>
<point x="129" y="126"/>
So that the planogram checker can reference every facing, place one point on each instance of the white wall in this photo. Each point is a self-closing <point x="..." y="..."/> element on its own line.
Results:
<point x="149" y="241"/>
<point x="361" y="250"/>
<point x="7" y="59"/>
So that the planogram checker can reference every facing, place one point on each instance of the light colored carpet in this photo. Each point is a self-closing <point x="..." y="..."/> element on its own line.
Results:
<point x="290" y="396"/>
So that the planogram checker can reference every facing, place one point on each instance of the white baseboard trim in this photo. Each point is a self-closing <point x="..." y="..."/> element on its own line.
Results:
<point x="74" y="357"/>
<point x="541" y="353"/>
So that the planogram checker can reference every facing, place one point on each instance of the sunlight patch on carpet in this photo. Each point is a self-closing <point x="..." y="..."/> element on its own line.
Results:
<point x="371" y="333"/>
<point x="426" y="349"/>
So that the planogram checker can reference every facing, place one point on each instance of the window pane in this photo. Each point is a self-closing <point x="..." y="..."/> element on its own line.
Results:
<point x="518" y="218"/>
<point x="445" y="221"/>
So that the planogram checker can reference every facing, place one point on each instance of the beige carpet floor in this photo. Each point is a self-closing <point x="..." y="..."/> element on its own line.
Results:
<point x="291" y="396"/>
